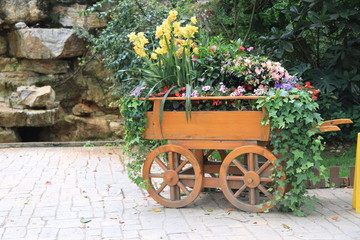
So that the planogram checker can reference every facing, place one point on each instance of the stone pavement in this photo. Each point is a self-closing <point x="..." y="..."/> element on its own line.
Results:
<point x="84" y="193"/>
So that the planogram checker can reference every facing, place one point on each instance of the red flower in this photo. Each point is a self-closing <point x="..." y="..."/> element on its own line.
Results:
<point x="249" y="87"/>
<point x="314" y="97"/>
<point x="152" y="95"/>
<point x="298" y="86"/>
<point x="160" y="94"/>
<point x="241" y="48"/>
<point x="183" y="89"/>
<point x="194" y="58"/>
<point x="308" y="85"/>
<point x="166" y="89"/>
<point x="177" y="94"/>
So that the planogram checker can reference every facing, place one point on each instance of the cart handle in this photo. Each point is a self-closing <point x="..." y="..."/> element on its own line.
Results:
<point x="331" y="125"/>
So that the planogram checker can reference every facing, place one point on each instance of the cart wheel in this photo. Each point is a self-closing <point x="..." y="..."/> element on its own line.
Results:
<point x="168" y="170"/>
<point x="245" y="178"/>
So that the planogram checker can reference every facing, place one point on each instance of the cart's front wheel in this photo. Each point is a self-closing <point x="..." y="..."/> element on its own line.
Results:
<point x="167" y="169"/>
<point x="246" y="178"/>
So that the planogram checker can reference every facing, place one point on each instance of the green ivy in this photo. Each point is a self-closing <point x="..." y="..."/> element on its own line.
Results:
<point x="136" y="147"/>
<point x="295" y="140"/>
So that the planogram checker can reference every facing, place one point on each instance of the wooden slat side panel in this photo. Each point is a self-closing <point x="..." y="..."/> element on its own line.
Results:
<point x="210" y="125"/>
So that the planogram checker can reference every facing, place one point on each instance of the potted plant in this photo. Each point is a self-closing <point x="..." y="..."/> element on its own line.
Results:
<point x="189" y="83"/>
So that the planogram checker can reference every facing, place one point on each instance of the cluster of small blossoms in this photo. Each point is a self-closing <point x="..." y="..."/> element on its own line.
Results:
<point x="310" y="89"/>
<point x="139" y="42"/>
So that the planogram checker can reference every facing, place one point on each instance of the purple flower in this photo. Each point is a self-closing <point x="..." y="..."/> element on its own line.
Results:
<point x="206" y="88"/>
<point x="137" y="91"/>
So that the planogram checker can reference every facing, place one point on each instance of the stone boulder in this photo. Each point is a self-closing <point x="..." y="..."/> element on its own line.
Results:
<point x="38" y="98"/>
<point x="3" y="45"/>
<point x="8" y="135"/>
<point x="54" y="66"/>
<point x="29" y="11"/>
<point x="82" y="110"/>
<point x="69" y="17"/>
<point x="45" y="43"/>
<point x="10" y="117"/>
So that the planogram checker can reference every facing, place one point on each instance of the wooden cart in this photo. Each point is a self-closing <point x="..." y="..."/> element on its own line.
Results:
<point x="178" y="171"/>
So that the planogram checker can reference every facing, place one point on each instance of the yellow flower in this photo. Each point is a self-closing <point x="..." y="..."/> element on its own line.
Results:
<point x="153" y="55"/>
<point x="193" y="20"/>
<point x="178" y="41"/>
<point x="196" y="50"/>
<point x="179" y="52"/>
<point x="140" y="52"/>
<point x="172" y="15"/>
<point x="161" y="51"/>
<point x="132" y="37"/>
<point x="159" y="32"/>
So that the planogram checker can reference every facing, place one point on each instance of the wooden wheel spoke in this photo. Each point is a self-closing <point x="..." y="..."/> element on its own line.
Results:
<point x="181" y="165"/>
<point x="263" y="167"/>
<point x="156" y="175"/>
<point x="265" y="179"/>
<point x="252" y="196"/>
<point x="159" y="190"/>
<point x="186" y="176"/>
<point x="235" y="178"/>
<point x="251" y="162"/>
<point x="266" y="192"/>
<point x="240" y="166"/>
<point x="183" y="188"/>
<point x="238" y="192"/>
<point x="161" y="164"/>
<point x="174" y="193"/>
<point x="171" y="160"/>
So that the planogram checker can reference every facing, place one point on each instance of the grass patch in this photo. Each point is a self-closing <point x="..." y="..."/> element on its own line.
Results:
<point x="345" y="159"/>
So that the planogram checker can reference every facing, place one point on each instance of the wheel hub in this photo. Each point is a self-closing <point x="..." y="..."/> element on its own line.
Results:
<point x="251" y="179"/>
<point x="171" y="177"/>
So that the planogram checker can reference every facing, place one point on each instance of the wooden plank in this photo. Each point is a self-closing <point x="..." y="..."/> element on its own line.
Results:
<point x="211" y="144"/>
<point x="209" y="125"/>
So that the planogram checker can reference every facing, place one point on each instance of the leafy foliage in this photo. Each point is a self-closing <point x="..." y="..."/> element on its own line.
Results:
<point x="294" y="127"/>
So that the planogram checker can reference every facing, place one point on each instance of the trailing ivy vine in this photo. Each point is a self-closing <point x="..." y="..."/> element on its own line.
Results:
<point x="295" y="140"/>
<point x="136" y="147"/>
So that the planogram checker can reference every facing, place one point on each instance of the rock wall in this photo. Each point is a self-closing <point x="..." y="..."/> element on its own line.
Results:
<point x="38" y="47"/>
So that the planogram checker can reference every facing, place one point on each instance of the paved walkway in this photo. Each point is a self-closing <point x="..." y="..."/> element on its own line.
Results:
<point x="83" y="193"/>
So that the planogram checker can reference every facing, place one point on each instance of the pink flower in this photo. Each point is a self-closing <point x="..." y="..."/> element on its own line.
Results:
<point x="195" y="93"/>
<point x="222" y="88"/>
<point x="206" y="88"/>
<point x="249" y="49"/>
<point x="213" y="48"/>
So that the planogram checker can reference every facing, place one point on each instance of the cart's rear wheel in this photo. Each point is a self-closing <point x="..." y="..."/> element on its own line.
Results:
<point x="245" y="178"/>
<point x="165" y="168"/>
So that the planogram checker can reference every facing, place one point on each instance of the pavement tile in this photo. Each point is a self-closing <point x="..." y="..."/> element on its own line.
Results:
<point x="44" y="192"/>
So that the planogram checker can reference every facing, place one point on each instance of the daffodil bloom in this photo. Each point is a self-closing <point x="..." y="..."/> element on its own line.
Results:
<point x="153" y="56"/>
<point x="132" y="36"/>
<point x="172" y="15"/>
<point x="193" y="20"/>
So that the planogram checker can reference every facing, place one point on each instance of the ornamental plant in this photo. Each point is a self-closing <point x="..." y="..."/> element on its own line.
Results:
<point x="172" y="62"/>
<point x="179" y="67"/>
